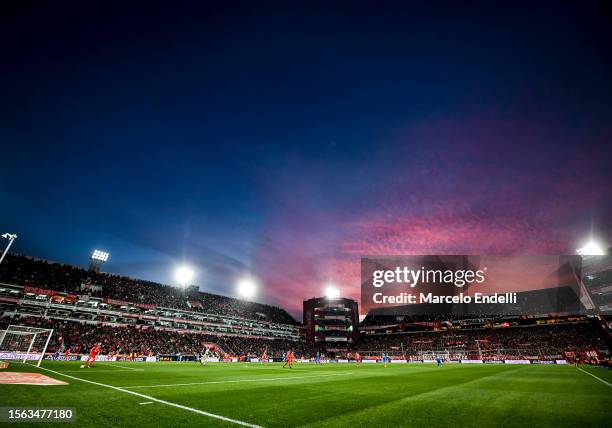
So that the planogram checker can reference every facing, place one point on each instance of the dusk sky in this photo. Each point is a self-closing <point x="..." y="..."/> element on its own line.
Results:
<point x="285" y="140"/>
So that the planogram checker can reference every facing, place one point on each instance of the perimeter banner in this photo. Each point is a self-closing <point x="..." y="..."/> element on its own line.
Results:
<point x="480" y="284"/>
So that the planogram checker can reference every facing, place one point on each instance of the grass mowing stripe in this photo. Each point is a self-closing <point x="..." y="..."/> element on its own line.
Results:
<point x="168" y="403"/>
<point x="596" y="377"/>
<point x="237" y="381"/>
<point x="459" y="385"/>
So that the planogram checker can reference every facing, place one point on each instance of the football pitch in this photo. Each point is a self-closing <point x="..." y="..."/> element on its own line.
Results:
<point x="326" y="395"/>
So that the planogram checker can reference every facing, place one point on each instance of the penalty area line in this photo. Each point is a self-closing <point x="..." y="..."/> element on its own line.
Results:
<point x="596" y="377"/>
<point x="157" y="400"/>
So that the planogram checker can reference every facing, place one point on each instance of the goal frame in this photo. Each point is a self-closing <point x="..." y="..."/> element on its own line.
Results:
<point x="27" y="331"/>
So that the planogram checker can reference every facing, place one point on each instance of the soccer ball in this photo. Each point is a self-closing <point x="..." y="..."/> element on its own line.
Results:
<point x="82" y="366"/>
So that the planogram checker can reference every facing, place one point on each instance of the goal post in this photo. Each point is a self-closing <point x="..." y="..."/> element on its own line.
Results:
<point x="28" y="344"/>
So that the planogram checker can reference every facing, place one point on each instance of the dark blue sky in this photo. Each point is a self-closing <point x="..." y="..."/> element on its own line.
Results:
<point x="283" y="140"/>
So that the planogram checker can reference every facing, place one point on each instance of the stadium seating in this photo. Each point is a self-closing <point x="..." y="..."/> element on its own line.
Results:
<point x="134" y="316"/>
<point x="27" y="271"/>
<point x="80" y="337"/>
<point x="522" y="340"/>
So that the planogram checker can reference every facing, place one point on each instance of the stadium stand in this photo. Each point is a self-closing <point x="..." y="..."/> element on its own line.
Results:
<point x="148" y="341"/>
<point x="532" y="339"/>
<point x="130" y="316"/>
<point x="37" y="273"/>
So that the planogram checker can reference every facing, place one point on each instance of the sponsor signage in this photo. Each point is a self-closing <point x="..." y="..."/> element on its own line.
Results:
<point x="100" y="357"/>
<point x="18" y="356"/>
<point x="115" y="302"/>
<point x="88" y="286"/>
<point x="37" y="290"/>
<point x="144" y="306"/>
<point x="61" y="357"/>
<point x="517" y="361"/>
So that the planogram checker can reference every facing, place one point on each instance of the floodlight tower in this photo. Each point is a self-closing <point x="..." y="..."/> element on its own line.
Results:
<point x="11" y="238"/>
<point x="591" y="253"/>
<point x="97" y="259"/>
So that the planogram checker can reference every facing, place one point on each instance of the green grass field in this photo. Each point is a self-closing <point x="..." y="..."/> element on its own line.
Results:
<point x="329" y="395"/>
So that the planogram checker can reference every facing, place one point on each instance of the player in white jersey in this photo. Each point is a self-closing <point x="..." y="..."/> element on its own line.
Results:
<point x="205" y="356"/>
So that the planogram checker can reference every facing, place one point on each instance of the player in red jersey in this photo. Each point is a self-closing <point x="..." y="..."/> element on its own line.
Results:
<point x="289" y="361"/>
<point x="92" y="356"/>
<point x="357" y="358"/>
<point x="264" y="357"/>
<point x="67" y="353"/>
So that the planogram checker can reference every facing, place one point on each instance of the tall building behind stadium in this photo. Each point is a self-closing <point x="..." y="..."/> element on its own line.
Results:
<point x="332" y="322"/>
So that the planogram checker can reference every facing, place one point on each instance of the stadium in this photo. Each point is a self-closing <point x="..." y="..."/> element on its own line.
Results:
<point x="193" y="357"/>
<point x="306" y="214"/>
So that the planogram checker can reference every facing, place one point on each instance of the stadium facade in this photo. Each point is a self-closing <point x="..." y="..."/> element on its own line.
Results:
<point x="332" y="322"/>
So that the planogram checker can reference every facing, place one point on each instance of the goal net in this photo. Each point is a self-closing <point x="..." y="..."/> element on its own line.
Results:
<point x="28" y="344"/>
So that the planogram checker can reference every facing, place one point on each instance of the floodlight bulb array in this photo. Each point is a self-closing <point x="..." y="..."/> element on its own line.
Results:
<point x="100" y="255"/>
<point x="184" y="275"/>
<point x="332" y="292"/>
<point x="247" y="288"/>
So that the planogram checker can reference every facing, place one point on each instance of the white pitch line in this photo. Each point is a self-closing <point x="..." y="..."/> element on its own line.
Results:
<point x="108" y="372"/>
<point x="270" y="379"/>
<point x="596" y="377"/>
<point x="123" y="367"/>
<point x="168" y="403"/>
<point x="146" y="402"/>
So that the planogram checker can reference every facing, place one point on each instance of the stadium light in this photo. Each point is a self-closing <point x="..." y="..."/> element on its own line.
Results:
<point x="332" y="292"/>
<point x="591" y="248"/>
<point x="100" y="255"/>
<point x="247" y="288"/>
<point x="184" y="274"/>
<point x="11" y="238"/>
<point x="97" y="259"/>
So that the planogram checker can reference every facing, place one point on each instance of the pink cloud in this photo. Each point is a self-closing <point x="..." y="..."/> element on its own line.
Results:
<point x="465" y="198"/>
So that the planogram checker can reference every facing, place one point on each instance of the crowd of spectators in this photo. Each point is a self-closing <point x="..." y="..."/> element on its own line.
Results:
<point x="495" y="343"/>
<point x="275" y="348"/>
<point x="27" y="271"/>
<point x="376" y="319"/>
<point x="557" y="338"/>
<point x="147" y="341"/>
